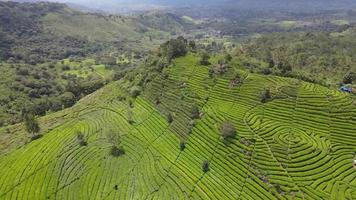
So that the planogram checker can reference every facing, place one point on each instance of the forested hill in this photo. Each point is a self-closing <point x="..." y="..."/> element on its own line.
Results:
<point x="52" y="55"/>
<point x="37" y="32"/>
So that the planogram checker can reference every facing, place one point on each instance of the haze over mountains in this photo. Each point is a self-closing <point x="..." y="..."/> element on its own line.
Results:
<point x="134" y="5"/>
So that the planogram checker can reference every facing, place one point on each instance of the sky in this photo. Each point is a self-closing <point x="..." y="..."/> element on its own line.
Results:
<point x="119" y="5"/>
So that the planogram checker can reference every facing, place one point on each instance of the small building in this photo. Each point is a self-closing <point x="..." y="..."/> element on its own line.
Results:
<point x="354" y="164"/>
<point x="346" y="89"/>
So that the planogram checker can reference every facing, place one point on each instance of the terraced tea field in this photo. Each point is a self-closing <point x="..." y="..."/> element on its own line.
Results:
<point x="298" y="145"/>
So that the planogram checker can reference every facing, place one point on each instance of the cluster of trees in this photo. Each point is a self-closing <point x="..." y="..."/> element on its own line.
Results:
<point x="23" y="39"/>
<point x="175" y="48"/>
<point x="318" y="57"/>
<point x="42" y="88"/>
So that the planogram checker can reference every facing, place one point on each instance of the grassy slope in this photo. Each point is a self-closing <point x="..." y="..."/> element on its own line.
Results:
<point x="303" y="141"/>
<point x="134" y="33"/>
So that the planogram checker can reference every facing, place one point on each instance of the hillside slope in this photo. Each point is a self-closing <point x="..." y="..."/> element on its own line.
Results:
<point x="39" y="32"/>
<point x="298" y="145"/>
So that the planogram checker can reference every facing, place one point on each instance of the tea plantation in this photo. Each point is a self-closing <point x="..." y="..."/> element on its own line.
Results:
<point x="299" y="144"/>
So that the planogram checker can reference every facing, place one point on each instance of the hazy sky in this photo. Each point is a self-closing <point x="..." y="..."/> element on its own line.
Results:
<point x="116" y="5"/>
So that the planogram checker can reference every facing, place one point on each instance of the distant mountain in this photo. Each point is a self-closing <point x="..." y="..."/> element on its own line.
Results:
<point x="115" y="6"/>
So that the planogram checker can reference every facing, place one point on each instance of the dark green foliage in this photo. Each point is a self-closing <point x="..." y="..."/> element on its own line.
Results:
<point x="195" y="113"/>
<point x="192" y="46"/>
<point x="182" y="144"/>
<point x="211" y="72"/>
<point x="31" y="124"/>
<point x="22" y="29"/>
<point x="228" y="57"/>
<point x="170" y="118"/>
<point x="174" y="48"/>
<point x="117" y="151"/>
<point x="36" y="137"/>
<point x="135" y="91"/>
<point x="318" y="57"/>
<point x="130" y="117"/>
<point x="81" y="139"/>
<point x="266" y="95"/>
<point x="205" y="166"/>
<point x="68" y="99"/>
<point x="119" y="75"/>
<point x="227" y="130"/>
<point x="349" y="78"/>
<point x="204" y="60"/>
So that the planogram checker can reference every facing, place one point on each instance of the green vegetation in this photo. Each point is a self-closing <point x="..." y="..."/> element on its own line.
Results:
<point x="81" y="139"/>
<point x="47" y="87"/>
<point x="117" y="151"/>
<point x="315" y="57"/>
<point x="300" y="145"/>
<point x="205" y="166"/>
<point x="174" y="48"/>
<point x="205" y="59"/>
<point x="266" y="95"/>
<point x="31" y="124"/>
<point x="227" y="130"/>
<point x="105" y="116"/>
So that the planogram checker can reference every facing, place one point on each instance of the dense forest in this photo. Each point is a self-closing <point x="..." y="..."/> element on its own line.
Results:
<point x="325" y="58"/>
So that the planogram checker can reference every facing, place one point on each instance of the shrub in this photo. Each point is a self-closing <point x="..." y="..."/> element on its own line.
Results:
<point x="31" y="124"/>
<point x="68" y="99"/>
<point x="228" y="57"/>
<point x="130" y="117"/>
<point x="211" y="72"/>
<point x="135" y="91"/>
<point x="349" y="78"/>
<point x="182" y="144"/>
<point x="204" y="60"/>
<point x="117" y="151"/>
<point x="36" y="137"/>
<point x="227" y="130"/>
<point x="65" y="68"/>
<point x="81" y="139"/>
<point x="170" y="118"/>
<point x="205" y="166"/>
<point x="23" y="72"/>
<point x="195" y="113"/>
<point x="265" y="95"/>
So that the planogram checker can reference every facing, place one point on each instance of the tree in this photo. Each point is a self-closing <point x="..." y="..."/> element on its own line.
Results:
<point x="265" y="95"/>
<point x="31" y="124"/>
<point x="130" y="117"/>
<point x="81" y="139"/>
<point x="174" y="48"/>
<point x="192" y="45"/>
<point x="116" y="148"/>
<point x="135" y="91"/>
<point x="170" y="118"/>
<point x="195" y="113"/>
<point x="68" y="99"/>
<point x="182" y="144"/>
<point x="205" y="166"/>
<point x="228" y="57"/>
<point x="204" y="60"/>
<point x="227" y="130"/>
<point x="349" y="78"/>
<point x="117" y="151"/>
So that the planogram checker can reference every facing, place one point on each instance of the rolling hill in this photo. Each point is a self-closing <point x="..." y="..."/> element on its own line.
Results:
<point x="45" y="46"/>
<point x="39" y="32"/>
<point x="297" y="145"/>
